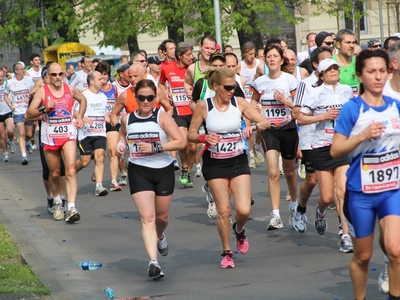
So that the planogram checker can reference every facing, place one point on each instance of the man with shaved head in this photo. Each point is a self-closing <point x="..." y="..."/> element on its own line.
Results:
<point x="292" y="68"/>
<point x="127" y="99"/>
<point x="54" y="102"/>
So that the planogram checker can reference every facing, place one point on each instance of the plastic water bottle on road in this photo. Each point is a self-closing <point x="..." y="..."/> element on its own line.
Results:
<point x="90" y="265"/>
<point x="109" y="292"/>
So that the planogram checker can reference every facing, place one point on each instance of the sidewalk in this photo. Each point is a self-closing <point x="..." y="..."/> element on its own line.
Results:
<point x="56" y="270"/>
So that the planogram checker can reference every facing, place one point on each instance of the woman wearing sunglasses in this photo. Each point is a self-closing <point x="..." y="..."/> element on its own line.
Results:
<point x="225" y="164"/>
<point x="275" y="92"/>
<point x="322" y="107"/>
<point x="151" y="134"/>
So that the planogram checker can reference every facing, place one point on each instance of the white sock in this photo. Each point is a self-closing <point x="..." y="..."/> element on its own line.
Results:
<point x="344" y="235"/>
<point x="276" y="212"/>
<point x="293" y="204"/>
<point x="257" y="147"/>
<point x="49" y="197"/>
<point x="5" y="153"/>
<point x="251" y="153"/>
<point x="24" y="155"/>
<point x="57" y="199"/>
<point x="99" y="184"/>
<point x="71" y="205"/>
<point x="198" y="166"/>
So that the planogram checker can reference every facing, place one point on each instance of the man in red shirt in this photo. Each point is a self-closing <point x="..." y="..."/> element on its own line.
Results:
<point x="175" y="74"/>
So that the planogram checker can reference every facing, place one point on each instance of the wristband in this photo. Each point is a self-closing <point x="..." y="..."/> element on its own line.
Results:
<point x="121" y="143"/>
<point x="118" y="126"/>
<point x="201" y="138"/>
<point x="157" y="148"/>
<point x="255" y="124"/>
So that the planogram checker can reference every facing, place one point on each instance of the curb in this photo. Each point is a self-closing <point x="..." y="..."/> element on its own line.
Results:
<point x="54" y="267"/>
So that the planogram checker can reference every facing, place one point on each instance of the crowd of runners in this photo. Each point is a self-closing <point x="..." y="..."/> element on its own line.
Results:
<point x="329" y="115"/>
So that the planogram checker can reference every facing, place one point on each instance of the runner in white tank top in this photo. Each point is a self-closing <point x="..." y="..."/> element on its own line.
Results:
<point x="247" y="69"/>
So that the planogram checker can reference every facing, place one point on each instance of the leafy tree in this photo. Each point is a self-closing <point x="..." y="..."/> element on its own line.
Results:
<point x="350" y="10"/>
<point x="120" y="22"/>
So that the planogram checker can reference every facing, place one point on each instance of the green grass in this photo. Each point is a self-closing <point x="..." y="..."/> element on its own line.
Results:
<point x="15" y="275"/>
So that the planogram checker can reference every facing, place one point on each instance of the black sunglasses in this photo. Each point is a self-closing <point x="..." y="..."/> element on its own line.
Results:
<point x="229" y="88"/>
<point x="149" y="98"/>
<point x="377" y="46"/>
<point x="329" y="43"/>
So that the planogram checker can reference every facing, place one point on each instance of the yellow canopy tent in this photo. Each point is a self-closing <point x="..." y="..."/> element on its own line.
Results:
<point x="60" y="53"/>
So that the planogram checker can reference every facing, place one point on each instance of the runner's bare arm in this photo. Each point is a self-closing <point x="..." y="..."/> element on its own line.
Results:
<point x="176" y="140"/>
<point x="81" y="99"/>
<point x="119" y="106"/>
<point x="8" y="102"/>
<point x="163" y="100"/>
<point x="188" y="85"/>
<point x="33" y="112"/>
<point x="38" y="84"/>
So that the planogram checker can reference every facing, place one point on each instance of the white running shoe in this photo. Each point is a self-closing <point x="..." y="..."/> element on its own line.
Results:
<point x="281" y="166"/>
<point x="288" y="198"/>
<point x="300" y="222"/>
<point x="275" y="222"/>
<point x="346" y="246"/>
<point x="383" y="279"/>
<point x="198" y="173"/>
<point x="259" y="157"/>
<point x="292" y="216"/>
<point x="212" y="210"/>
<point x="6" y="158"/>
<point x="162" y="245"/>
<point x="301" y="170"/>
<point x="252" y="162"/>
<point x="100" y="191"/>
<point x="123" y="180"/>
<point x="11" y="146"/>
<point x="58" y="212"/>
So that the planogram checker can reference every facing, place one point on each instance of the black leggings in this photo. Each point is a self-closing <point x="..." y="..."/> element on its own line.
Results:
<point x="45" y="167"/>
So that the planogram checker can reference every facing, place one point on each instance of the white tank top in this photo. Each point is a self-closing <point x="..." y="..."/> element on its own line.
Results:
<point x="4" y="108"/>
<point x="18" y="93"/>
<point x="96" y="110"/>
<point x="248" y="73"/>
<point x="148" y="130"/>
<point x="35" y="75"/>
<point x="231" y="143"/>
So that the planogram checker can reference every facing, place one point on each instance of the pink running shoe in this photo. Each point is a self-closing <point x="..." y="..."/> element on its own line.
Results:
<point x="114" y="187"/>
<point x="227" y="260"/>
<point x="242" y="243"/>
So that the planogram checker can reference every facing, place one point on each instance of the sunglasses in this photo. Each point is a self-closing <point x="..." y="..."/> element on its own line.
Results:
<point x="329" y="43"/>
<point x="229" y="88"/>
<point x="149" y="98"/>
<point x="377" y="46"/>
<point x="141" y="60"/>
<point x="56" y="74"/>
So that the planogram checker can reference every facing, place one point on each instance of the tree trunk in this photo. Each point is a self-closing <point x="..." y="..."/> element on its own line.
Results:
<point x="243" y="36"/>
<point x="133" y="44"/>
<point x="173" y="32"/>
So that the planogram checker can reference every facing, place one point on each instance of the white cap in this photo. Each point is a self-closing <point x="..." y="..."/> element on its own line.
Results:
<point x="21" y="63"/>
<point x="326" y="64"/>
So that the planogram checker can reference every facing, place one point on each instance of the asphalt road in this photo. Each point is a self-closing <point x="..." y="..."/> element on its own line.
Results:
<point x="281" y="264"/>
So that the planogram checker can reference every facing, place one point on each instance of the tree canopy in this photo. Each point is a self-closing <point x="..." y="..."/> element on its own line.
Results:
<point x="121" y="22"/>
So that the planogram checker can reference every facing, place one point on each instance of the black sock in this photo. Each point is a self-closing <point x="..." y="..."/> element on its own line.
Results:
<point x="301" y="209"/>
<point x="391" y="297"/>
